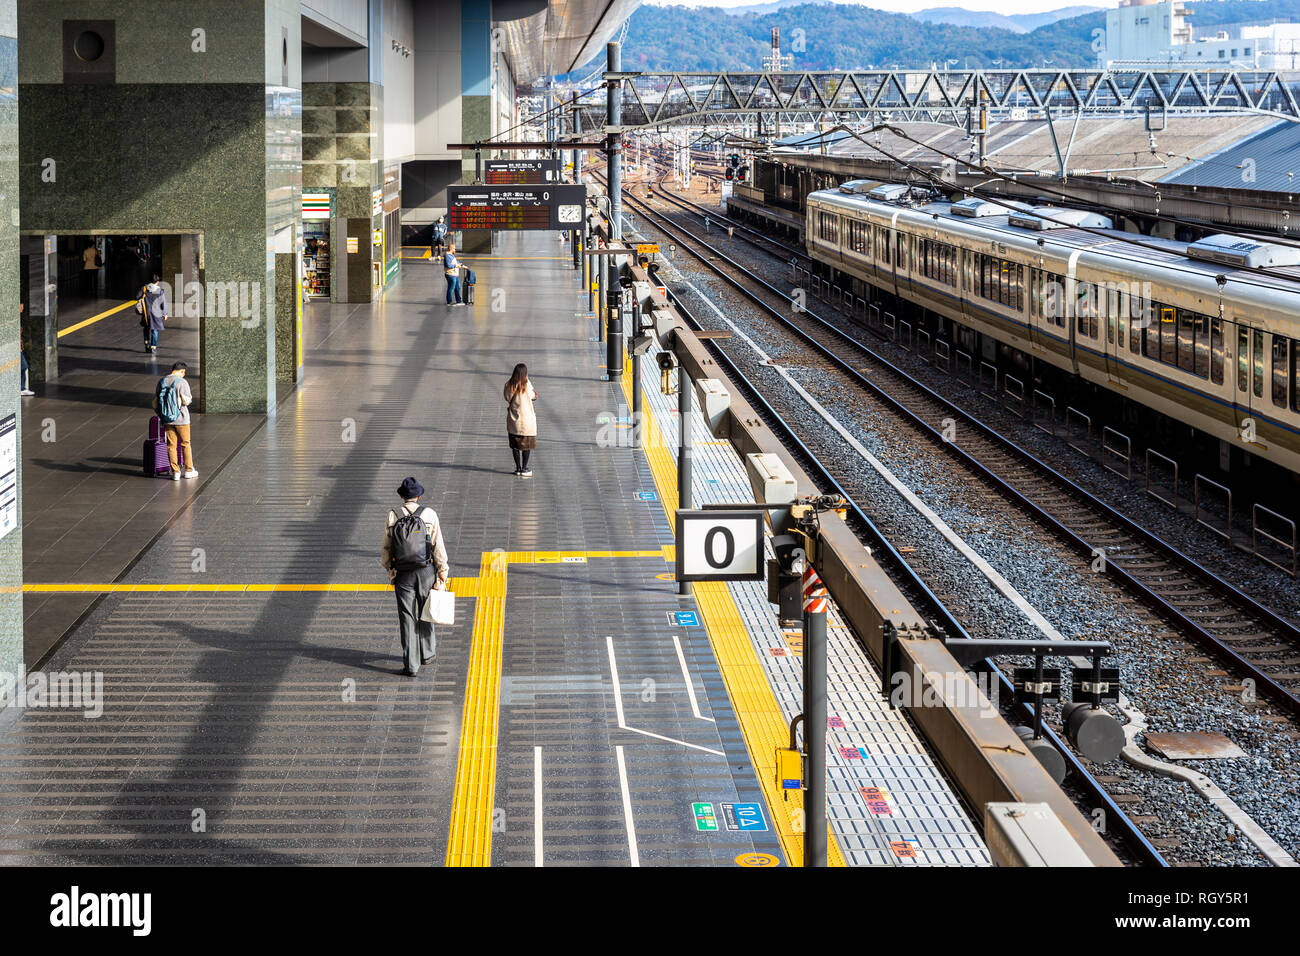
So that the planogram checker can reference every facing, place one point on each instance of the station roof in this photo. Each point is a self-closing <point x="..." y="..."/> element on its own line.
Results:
<point x="548" y="37"/>
<point x="1193" y="150"/>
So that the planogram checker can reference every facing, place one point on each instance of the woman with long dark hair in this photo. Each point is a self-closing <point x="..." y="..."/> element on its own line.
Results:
<point x="521" y="420"/>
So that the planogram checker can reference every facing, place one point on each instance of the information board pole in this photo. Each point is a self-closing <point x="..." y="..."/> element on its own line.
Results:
<point x="577" y="155"/>
<point x="683" y="449"/>
<point x="814" y="711"/>
<point x="614" y="114"/>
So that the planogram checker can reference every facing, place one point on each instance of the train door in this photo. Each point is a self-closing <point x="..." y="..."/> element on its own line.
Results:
<point x="1250" y="376"/>
<point x="1116" y="331"/>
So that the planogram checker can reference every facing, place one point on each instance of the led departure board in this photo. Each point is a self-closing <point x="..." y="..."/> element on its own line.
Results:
<point x="518" y="172"/>
<point x="515" y="207"/>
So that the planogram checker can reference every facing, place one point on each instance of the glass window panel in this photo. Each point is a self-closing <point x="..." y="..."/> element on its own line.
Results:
<point x="1186" y="340"/>
<point x="1258" y="369"/>
<point x="1243" y="358"/>
<point x="1216" y="351"/>
<point x="1280" y="354"/>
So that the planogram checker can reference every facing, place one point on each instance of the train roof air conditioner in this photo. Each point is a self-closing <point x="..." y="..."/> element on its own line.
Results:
<point x="890" y="192"/>
<point x="856" y="186"/>
<point x="976" y="208"/>
<point x="1060" y="219"/>
<point x="1242" y="252"/>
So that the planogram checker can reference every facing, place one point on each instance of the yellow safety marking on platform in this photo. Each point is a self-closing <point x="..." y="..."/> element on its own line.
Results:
<point x="95" y="318"/>
<point x="463" y="587"/>
<point x="758" y="712"/>
<point x="469" y="838"/>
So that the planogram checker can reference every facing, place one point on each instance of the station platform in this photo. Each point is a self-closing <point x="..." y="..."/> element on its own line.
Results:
<point x="579" y="712"/>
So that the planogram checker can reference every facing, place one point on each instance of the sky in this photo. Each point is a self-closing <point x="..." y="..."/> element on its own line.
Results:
<point x="911" y="6"/>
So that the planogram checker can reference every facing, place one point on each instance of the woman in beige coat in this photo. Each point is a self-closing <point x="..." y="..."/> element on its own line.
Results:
<point x="521" y="420"/>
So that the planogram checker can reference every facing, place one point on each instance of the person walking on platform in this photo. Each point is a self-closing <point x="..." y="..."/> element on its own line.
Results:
<point x="415" y="557"/>
<point x="451" y="269"/>
<point x="153" y="297"/>
<point x="24" y="370"/>
<point x="172" y="402"/>
<point x="521" y="420"/>
<point x="439" y="235"/>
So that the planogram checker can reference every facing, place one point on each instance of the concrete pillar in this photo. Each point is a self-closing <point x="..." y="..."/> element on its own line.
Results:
<point x="39" y="262"/>
<point x="11" y="454"/>
<point x="475" y="100"/>
<point x="196" y="124"/>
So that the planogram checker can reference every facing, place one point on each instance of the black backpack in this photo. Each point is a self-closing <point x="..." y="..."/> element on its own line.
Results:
<point x="411" y="548"/>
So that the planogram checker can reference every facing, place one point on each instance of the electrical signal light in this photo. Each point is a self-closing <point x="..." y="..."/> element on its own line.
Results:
<point x="735" y="159"/>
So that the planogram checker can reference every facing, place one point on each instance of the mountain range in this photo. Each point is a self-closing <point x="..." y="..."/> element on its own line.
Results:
<point x="1015" y="22"/>
<point x="842" y="36"/>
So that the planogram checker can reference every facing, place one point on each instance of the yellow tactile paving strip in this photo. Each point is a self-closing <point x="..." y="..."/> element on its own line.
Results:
<point x="469" y="839"/>
<point x="757" y="710"/>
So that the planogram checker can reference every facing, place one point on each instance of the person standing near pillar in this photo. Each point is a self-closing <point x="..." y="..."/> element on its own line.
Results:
<point x="416" y="559"/>
<point x="24" y="385"/>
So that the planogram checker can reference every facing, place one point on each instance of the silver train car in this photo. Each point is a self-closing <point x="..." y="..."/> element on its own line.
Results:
<point x="1195" y="331"/>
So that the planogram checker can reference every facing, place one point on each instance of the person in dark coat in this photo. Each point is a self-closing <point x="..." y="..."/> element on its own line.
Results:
<point x="412" y="587"/>
<point x="154" y="298"/>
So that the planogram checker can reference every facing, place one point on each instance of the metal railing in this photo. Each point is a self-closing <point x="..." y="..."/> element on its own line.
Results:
<point x="969" y="377"/>
<point x="1050" y="404"/>
<point x="1073" y="415"/>
<point x="1016" y="394"/>
<point x="1173" y="465"/>
<point x="989" y="390"/>
<point x="1256" y="532"/>
<point x="1226" y="530"/>
<point x="943" y="353"/>
<point x="923" y="348"/>
<point x="905" y="336"/>
<point x="1109" y="451"/>
<point x="891" y="327"/>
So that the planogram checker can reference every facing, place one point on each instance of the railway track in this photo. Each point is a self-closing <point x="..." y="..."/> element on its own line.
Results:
<point x="1123" y="834"/>
<point x="1255" y="641"/>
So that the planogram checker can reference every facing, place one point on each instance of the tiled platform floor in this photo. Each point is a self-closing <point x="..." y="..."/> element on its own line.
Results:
<point x="267" y="722"/>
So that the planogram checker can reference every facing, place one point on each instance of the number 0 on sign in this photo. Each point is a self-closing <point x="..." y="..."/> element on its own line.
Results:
<point x="720" y="546"/>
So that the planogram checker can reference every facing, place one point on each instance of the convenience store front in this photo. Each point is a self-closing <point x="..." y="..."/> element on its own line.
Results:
<point x="317" y="253"/>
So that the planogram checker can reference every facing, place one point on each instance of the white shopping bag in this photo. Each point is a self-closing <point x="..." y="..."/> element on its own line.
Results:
<point x="440" y="608"/>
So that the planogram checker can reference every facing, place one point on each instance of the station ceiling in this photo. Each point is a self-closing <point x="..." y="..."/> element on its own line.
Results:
<point x="545" y="39"/>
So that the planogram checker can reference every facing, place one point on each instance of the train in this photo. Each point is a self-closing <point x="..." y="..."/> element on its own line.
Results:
<point x="1206" y="332"/>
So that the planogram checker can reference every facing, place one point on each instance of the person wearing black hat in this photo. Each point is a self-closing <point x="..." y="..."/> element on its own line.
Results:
<point x="416" y="559"/>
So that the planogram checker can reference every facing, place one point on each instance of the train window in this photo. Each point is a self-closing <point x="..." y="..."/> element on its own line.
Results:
<point x="828" y="226"/>
<point x="1243" y="358"/>
<point x="1295" y="378"/>
<point x="1257" y="382"/>
<point x="902" y="252"/>
<point x="1169" y="335"/>
<point x="1186" y="340"/>
<point x="1151" y="342"/>
<point x="1137" y="323"/>
<point x="1216" y="351"/>
<point x="1280" y="354"/>
<point x="1020" y="289"/>
<point x="1202" y="323"/>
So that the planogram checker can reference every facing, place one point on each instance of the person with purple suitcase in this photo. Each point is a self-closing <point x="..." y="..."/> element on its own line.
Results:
<point x="172" y="401"/>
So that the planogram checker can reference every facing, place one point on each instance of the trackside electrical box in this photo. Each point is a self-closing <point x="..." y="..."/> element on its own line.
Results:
<point x="789" y="769"/>
<point x="1029" y="834"/>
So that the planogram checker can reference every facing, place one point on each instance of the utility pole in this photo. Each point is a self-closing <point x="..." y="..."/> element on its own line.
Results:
<point x="614" y="147"/>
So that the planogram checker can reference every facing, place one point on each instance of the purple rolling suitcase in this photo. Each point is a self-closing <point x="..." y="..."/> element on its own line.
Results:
<point x="156" y="462"/>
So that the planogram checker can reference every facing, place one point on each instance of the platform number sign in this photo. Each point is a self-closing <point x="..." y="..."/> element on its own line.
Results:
<point x="717" y="545"/>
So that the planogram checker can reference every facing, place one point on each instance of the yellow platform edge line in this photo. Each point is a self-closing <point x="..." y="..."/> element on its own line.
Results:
<point x="757" y="710"/>
<point x="469" y="837"/>
<point x="463" y="587"/>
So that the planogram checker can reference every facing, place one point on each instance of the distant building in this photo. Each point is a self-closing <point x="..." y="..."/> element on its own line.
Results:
<point x="1150" y="32"/>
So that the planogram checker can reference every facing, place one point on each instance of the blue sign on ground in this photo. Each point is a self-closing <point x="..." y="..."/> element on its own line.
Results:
<point x="743" y="816"/>
<point x="684" y="618"/>
<point x="646" y="496"/>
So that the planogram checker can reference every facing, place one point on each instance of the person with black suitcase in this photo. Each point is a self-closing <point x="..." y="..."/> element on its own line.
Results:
<point x="415" y="557"/>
